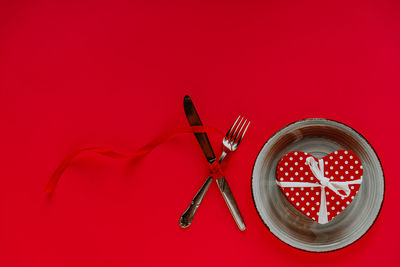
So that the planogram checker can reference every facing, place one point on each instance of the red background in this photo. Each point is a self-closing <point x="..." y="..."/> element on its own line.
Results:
<point x="115" y="72"/>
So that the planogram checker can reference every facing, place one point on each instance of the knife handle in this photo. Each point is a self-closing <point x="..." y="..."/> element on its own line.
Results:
<point x="187" y="217"/>
<point x="231" y="202"/>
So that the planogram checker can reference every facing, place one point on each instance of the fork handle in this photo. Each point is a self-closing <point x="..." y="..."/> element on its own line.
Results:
<point x="231" y="202"/>
<point x="187" y="217"/>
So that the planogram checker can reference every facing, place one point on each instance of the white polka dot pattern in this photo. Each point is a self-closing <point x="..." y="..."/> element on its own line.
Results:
<point x="339" y="166"/>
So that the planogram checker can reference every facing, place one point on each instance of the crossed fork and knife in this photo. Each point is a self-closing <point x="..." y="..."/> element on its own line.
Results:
<point x="230" y="143"/>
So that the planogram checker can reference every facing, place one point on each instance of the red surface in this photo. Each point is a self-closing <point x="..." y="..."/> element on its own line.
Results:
<point x="115" y="73"/>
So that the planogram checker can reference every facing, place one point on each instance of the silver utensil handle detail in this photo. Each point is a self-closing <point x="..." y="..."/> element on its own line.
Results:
<point x="230" y="201"/>
<point x="187" y="217"/>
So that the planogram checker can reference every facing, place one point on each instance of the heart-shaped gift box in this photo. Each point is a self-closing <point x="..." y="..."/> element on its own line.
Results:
<point x="320" y="188"/>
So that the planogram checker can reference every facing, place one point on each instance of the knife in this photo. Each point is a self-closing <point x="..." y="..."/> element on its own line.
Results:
<point x="202" y="138"/>
<point x="187" y="217"/>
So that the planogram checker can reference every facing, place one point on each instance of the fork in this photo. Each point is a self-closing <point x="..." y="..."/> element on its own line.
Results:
<point x="232" y="139"/>
<point x="230" y="143"/>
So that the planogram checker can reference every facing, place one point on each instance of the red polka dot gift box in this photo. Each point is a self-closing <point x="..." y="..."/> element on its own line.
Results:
<point x="320" y="188"/>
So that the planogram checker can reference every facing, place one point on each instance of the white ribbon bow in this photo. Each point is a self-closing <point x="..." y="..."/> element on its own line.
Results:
<point x="324" y="182"/>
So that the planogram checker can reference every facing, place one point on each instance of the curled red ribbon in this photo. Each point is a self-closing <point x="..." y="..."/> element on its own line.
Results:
<point x="215" y="168"/>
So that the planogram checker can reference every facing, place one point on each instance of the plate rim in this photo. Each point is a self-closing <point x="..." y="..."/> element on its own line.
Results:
<point x="316" y="119"/>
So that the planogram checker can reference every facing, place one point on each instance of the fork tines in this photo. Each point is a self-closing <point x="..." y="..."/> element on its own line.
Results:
<point x="238" y="130"/>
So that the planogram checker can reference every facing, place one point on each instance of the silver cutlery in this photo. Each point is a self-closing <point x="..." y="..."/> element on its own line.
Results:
<point x="230" y="142"/>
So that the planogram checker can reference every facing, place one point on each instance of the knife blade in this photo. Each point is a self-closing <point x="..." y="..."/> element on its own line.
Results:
<point x="202" y="138"/>
<point x="194" y="120"/>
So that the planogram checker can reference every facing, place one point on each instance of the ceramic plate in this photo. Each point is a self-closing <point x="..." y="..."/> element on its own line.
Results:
<point x="318" y="137"/>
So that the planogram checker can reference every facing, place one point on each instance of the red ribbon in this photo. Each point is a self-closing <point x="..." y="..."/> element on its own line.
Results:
<point x="215" y="168"/>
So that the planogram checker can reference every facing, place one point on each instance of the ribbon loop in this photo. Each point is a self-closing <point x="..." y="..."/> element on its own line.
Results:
<point x="215" y="169"/>
<point x="318" y="171"/>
